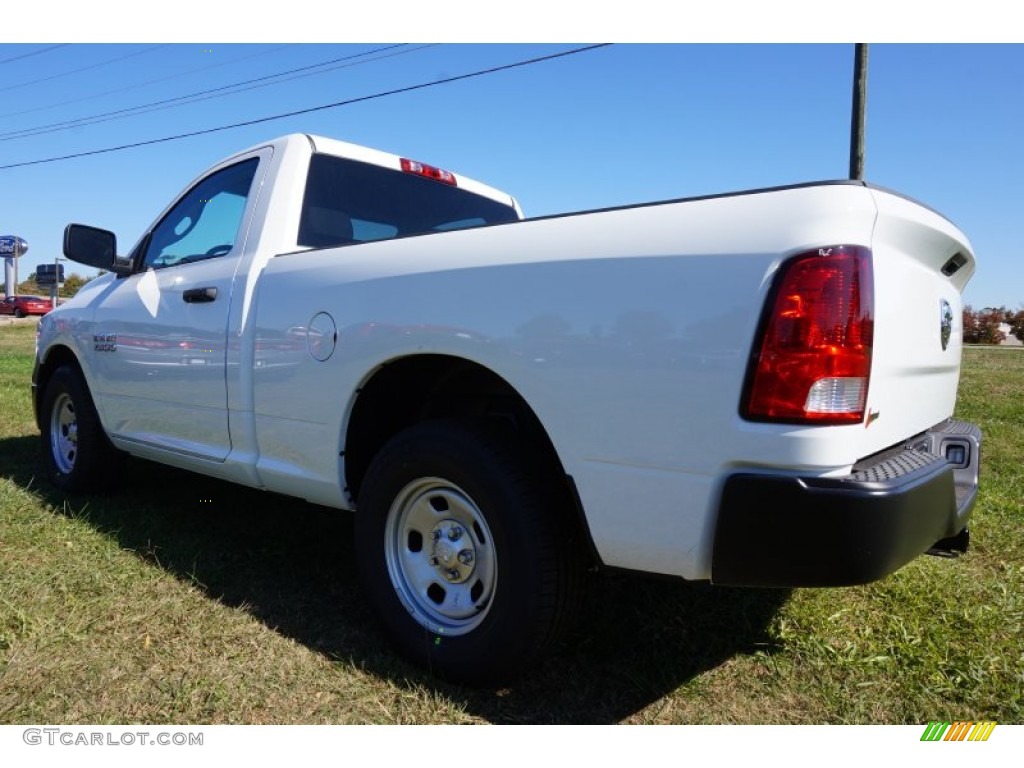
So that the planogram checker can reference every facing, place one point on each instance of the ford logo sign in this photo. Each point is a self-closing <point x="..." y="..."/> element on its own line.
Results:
<point x="945" y="322"/>
<point x="12" y="245"/>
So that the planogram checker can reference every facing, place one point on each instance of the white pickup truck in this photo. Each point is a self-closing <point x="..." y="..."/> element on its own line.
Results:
<point x="752" y="388"/>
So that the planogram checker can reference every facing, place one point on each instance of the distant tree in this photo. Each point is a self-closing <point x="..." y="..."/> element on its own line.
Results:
<point x="72" y="284"/>
<point x="1016" y="322"/>
<point x="982" y="327"/>
<point x="970" y="324"/>
<point x="29" y="286"/>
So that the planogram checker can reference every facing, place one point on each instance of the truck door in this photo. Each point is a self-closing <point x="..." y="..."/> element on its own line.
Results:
<point x="159" y="340"/>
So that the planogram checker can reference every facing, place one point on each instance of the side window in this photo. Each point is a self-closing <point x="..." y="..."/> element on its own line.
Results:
<point x="205" y="222"/>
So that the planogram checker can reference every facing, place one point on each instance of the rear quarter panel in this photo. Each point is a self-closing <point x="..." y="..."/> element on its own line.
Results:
<point x="627" y="331"/>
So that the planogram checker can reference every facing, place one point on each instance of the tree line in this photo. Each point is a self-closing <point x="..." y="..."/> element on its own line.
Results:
<point x="72" y="284"/>
<point x="982" y="326"/>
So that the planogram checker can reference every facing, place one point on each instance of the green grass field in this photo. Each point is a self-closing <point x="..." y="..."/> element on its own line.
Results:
<point x="160" y="604"/>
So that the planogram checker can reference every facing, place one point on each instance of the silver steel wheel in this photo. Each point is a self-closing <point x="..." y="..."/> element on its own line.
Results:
<point x="64" y="433"/>
<point x="440" y="556"/>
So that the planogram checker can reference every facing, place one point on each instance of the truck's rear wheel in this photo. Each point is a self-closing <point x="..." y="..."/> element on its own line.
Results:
<point x="461" y="553"/>
<point x="77" y="456"/>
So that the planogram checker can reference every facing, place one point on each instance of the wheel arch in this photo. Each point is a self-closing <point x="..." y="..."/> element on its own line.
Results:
<point x="56" y="356"/>
<point x="78" y="457"/>
<point x="416" y="388"/>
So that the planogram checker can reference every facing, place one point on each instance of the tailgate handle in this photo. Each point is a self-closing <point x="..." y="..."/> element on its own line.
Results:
<point x="199" y="295"/>
<point x="953" y="265"/>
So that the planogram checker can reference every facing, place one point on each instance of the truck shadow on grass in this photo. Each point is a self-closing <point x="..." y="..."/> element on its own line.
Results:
<point x="290" y="565"/>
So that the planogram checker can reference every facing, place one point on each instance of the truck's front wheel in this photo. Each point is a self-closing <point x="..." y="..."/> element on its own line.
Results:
<point x="76" y="453"/>
<point x="461" y="553"/>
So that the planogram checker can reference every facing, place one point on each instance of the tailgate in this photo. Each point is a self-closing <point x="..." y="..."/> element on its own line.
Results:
<point x="921" y="263"/>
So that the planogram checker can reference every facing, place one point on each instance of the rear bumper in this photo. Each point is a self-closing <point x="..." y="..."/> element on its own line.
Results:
<point x="779" y="531"/>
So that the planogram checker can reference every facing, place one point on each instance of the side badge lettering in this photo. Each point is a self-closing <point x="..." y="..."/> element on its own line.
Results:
<point x="104" y="342"/>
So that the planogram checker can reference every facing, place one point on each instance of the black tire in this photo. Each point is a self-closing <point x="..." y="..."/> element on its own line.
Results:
<point x="77" y="456"/>
<point x="19" y="312"/>
<point x="479" y="618"/>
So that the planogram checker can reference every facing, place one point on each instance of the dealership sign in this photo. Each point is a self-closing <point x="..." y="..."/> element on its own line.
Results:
<point x="49" y="274"/>
<point x="11" y="245"/>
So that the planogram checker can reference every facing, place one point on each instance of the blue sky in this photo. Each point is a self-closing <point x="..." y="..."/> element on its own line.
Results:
<point x="617" y="125"/>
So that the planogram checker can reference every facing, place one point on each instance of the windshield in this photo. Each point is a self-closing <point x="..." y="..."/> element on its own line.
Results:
<point x="347" y="201"/>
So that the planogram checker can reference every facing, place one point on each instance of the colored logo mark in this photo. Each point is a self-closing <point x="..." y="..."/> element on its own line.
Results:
<point x="959" y="730"/>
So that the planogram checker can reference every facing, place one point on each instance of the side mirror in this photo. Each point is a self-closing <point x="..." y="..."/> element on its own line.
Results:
<point x="95" y="248"/>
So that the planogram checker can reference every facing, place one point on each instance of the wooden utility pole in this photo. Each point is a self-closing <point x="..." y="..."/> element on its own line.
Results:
<point x="860" y="92"/>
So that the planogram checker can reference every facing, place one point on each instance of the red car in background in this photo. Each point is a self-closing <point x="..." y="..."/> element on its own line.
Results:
<point x="21" y="306"/>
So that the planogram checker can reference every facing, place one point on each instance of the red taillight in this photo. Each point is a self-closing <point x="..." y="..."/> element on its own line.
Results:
<point x="428" y="171"/>
<point x="813" y="361"/>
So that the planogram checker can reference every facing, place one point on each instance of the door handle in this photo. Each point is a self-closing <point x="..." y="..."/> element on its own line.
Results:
<point x="199" y="295"/>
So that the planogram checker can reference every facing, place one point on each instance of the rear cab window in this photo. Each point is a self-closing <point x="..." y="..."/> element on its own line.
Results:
<point x="347" y="201"/>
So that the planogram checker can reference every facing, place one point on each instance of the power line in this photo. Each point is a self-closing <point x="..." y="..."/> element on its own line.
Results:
<point x="322" y="107"/>
<point x="32" y="53"/>
<point x="84" y="69"/>
<point x="92" y="96"/>
<point x="144" y="108"/>
<point x="210" y="93"/>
